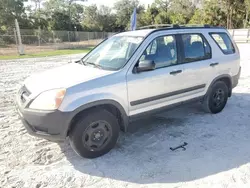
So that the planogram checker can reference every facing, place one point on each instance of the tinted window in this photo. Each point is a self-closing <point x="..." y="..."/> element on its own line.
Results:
<point x="162" y="51"/>
<point x="224" y="42"/>
<point x="195" y="48"/>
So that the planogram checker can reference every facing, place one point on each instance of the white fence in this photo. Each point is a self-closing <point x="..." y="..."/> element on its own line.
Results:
<point x="240" y="35"/>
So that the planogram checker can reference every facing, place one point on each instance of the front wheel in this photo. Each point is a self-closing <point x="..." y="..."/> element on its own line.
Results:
<point x="95" y="134"/>
<point x="216" y="98"/>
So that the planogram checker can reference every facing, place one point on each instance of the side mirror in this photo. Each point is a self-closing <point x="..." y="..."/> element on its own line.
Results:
<point x="145" y="65"/>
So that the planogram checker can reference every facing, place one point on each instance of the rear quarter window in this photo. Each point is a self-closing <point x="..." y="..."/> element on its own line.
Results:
<point x="224" y="42"/>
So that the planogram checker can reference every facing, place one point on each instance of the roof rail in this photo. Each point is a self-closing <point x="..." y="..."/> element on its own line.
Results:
<point x="158" y="26"/>
<point x="196" y="25"/>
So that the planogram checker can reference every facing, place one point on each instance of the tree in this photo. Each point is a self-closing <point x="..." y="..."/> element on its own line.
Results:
<point x="72" y="15"/>
<point x="181" y="11"/>
<point x="247" y="9"/>
<point x="162" y="5"/>
<point x="106" y="20"/>
<point x="148" y="17"/>
<point x="11" y="10"/>
<point x="124" y="10"/>
<point x="210" y="14"/>
<point x="70" y="8"/>
<point x="197" y="18"/>
<point x="90" y="18"/>
<point x="69" y="4"/>
<point x="234" y="10"/>
<point x="99" y="19"/>
<point x="60" y="21"/>
<point x="227" y="13"/>
<point x="160" y="11"/>
<point x="37" y="16"/>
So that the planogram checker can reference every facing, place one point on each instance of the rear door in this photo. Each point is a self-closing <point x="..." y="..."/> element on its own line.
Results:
<point x="197" y="63"/>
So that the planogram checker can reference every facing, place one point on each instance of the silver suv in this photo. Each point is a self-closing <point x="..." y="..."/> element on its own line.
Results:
<point x="125" y="77"/>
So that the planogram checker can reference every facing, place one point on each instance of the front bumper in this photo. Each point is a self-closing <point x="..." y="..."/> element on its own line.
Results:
<point x="51" y="125"/>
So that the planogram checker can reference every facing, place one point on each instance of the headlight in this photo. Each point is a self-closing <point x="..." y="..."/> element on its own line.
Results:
<point x="48" y="100"/>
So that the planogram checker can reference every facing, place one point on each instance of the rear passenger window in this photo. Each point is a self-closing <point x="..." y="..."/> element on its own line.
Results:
<point x="224" y="42"/>
<point x="162" y="51"/>
<point x="195" y="48"/>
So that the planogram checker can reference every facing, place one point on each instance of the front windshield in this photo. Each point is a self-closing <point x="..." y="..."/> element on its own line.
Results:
<point x="113" y="53"/>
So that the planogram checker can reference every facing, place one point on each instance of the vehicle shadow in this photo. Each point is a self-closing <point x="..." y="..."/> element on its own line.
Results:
<point x="216" y="143"/>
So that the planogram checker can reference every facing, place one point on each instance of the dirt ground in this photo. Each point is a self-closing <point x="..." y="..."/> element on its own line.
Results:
<point x="217" y="154"/>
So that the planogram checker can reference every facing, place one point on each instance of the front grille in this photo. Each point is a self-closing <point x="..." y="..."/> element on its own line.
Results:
<point x="24" y="93"/>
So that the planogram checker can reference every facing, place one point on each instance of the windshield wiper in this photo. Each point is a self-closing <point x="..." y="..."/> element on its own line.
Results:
<point x="95" y="65"/>
<point x="89" y="63"/>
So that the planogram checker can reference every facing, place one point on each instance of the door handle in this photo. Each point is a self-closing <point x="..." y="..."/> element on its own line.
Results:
<point x="214" y="64"/>
<point x="176" y="72"/>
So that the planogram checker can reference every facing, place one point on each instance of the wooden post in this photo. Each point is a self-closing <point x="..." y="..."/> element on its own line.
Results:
<point x="248" y="35"/>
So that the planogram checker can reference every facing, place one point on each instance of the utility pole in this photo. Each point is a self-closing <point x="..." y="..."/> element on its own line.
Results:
<point x="39" y="20"/>
<point x="20" y="45"/>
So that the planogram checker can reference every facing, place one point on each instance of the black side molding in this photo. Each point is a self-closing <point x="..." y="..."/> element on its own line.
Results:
<point x="176" y="72"/>
<point x="157" y="97"/>
<point x="164" y="108"/>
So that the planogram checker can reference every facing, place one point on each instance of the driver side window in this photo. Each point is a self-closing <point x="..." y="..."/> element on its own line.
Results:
<point x="162" y="51"/>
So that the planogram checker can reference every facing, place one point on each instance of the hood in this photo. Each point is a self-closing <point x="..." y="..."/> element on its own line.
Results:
<point x="63" y="77"/>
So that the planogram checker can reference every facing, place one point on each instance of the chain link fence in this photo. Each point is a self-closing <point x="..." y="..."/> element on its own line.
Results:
<point x="35" y="41"/>
<point x="39" y="40"/>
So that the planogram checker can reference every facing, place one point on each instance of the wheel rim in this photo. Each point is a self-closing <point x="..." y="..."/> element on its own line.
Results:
<point x="218" y="98"/>
<point x="97" y="135"/>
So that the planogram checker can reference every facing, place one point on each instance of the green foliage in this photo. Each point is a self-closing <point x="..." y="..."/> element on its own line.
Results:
<point x="181" y="11"/>
<point x="72" y="15"/>
<point x="124" y="9"/>
<point x="210" y="14"/>
<point x="98" y="19"/>
<point x="148" y="17"/>
<point x="9" y="11"/>
<point x="60" y="21"/>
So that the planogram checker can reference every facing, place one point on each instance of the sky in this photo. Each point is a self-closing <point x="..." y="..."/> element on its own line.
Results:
<point x="109" y="3"/>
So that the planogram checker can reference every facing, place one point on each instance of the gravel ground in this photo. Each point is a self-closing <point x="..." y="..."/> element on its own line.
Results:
<point x="217" y="154"/>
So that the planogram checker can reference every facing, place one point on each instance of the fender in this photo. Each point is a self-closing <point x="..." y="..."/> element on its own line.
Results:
<point x="124" y="116"/>
<point x="227" y="76"/>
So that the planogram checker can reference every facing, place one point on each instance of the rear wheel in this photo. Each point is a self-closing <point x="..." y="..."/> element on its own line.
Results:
<point x="95" y="134"/>
<point x="216" y="98"/>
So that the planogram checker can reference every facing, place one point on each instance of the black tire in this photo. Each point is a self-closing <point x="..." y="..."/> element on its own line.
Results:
<point x="216" y="98"/>
<point x="83" y="138"/>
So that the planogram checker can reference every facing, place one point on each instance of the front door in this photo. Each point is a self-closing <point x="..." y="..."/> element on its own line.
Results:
<point x="147" y="90"/>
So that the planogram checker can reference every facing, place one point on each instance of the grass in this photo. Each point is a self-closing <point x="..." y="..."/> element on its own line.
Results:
<point x="46" y="54"/>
